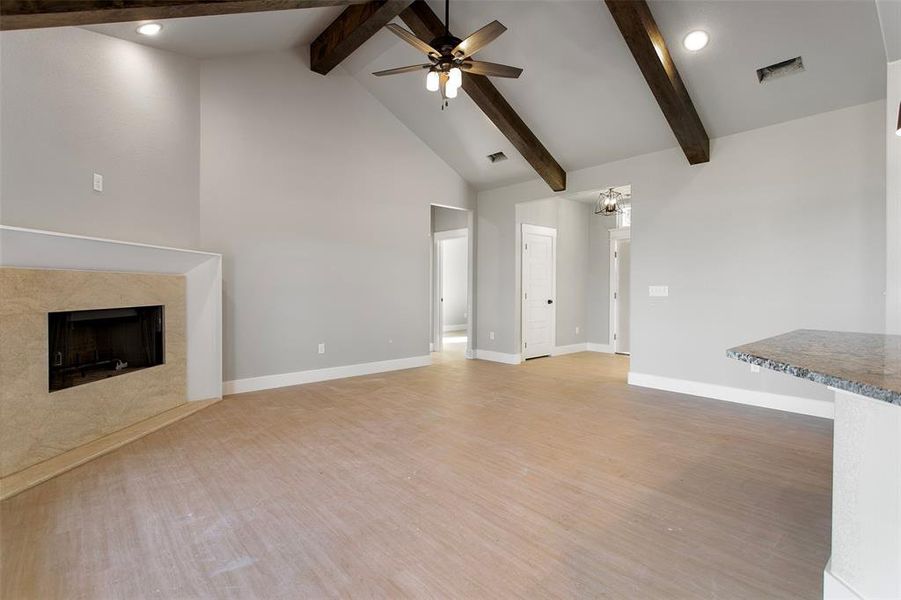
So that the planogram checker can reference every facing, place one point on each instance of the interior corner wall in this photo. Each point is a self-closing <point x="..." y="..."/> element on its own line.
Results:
<point x="319" y="199"/>
<point x="597" y="310"/>
<point x="73" y="103"/>
<point x="572" y="222"/>
<point x="784" y="228"/>
<point x="893" y="200"/>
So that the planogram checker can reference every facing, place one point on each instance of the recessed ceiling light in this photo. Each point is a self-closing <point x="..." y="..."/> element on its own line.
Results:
<point x="696" y="40"/>
<point x="150" y="29"/>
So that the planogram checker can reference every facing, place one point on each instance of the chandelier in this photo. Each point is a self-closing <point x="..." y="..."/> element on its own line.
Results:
<point x="609" y="203"/>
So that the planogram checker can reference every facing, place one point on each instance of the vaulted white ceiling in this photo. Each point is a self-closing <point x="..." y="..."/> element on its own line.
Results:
<point x="581" y="91"/>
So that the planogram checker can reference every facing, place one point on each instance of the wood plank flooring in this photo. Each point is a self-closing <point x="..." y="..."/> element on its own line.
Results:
<point x="466" y="479"/>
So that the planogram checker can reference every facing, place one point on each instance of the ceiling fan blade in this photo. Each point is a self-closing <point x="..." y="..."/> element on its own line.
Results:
<point x="478" y="67"/>
<point x="479" y="39"/>
<point x="399" y="70"/>
<point x="412" y="40"/>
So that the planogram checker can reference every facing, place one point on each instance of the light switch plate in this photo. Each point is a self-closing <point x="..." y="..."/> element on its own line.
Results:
<point x="98" y="182"/>
<point x="658" y="291"/>
<point x="321" y="348"/>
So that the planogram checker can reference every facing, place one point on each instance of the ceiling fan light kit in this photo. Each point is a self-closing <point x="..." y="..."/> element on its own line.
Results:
<point x="450" y="56"/>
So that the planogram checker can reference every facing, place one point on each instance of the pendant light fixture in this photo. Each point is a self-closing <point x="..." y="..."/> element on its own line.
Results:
<point x="609" y="203"/>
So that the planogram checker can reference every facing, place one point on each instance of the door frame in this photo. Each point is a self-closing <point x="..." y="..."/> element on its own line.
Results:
<point x="540" y="230"/>
<point x="616" y="234"/>
<point x="438" y="292"/>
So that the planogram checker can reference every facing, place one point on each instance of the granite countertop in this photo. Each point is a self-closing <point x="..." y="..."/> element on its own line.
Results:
<point x="868" y="364"/>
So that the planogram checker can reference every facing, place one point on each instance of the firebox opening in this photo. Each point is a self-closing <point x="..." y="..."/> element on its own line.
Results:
<point x="90" y="345"/>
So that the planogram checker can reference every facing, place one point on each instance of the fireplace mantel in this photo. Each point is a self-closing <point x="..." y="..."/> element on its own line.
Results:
<point x="36" y="249"/>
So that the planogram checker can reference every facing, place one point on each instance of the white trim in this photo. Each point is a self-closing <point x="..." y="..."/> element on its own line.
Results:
<point x="451" y="234"/>
<point x="104" y="240"/>
<point x="501" y="357"/>
<point x="793" y="404"/>
<point x="605" y="348"/>
<point x="569" y="349"/>
<point x="458" y="327"/>
<point x="552" y="233"/>
<point x="268" y="382"/>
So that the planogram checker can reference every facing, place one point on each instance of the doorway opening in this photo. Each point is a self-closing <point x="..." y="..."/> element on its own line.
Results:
<point x="451" y="283"/>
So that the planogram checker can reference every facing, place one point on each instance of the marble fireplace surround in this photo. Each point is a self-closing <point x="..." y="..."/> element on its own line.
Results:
<point x="37" y="424"/>
<point x="42" y="271"/>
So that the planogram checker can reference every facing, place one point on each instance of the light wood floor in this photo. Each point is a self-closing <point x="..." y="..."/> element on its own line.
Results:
<point x="466" y="479"/>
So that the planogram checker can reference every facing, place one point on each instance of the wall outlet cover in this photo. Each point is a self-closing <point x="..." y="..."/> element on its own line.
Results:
<point x="490" y="335"/>
<point x="658" y="291"/>
<point x="98" y="182"/>
<point x="322" y="348"/>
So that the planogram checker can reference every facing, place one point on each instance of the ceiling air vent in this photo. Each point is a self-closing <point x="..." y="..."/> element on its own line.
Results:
<point x="791" y="66"/>
<point x="497" y="157"/>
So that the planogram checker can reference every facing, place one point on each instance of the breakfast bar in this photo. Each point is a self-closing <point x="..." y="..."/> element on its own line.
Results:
<point x="864" y="372"/>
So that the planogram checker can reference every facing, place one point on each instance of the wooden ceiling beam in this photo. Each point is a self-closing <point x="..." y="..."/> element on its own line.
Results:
<point x="350" y="30"/>
<point x="427" y="26"/>
<point x="30" y="14"/>
<point x="636" y="23"/>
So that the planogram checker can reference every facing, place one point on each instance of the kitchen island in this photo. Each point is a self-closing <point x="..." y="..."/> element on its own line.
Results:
<point x="864" y="371"/>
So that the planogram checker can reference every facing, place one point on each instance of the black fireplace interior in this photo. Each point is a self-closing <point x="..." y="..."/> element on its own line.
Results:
<point x="89" y="345"/>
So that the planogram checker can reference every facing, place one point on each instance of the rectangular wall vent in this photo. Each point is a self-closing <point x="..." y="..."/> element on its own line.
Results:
<point x="497" y="157"/>
<point x="791" y="66"/>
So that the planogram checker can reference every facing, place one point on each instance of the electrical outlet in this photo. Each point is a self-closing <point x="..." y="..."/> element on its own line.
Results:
<point x="490" y="335"/>
<point x="577" y="330"/>
<point x="755" y="368"/>
<point x="98" y="182"/>
<point x="322" y="348"/>
<point x="658" y="291"/>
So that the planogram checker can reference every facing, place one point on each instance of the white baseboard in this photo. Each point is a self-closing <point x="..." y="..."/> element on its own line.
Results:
<point x="793" y="404"/>
<point x="582" y="347"/>
<point x="267" y="382"/>
<point x="569" y="349"/>
<point x="605" y="348"/>
<point x="460" y="327"/>
<point x="501" y="357"/>
<point x="834" y="588"/>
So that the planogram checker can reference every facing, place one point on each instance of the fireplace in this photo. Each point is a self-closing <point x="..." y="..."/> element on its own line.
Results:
<point x="90" y="345"/>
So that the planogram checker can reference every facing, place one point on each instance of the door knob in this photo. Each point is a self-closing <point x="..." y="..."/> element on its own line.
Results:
<point x="550" y="301"/>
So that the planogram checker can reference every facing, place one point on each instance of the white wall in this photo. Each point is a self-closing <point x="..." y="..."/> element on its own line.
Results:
<point x="893" y="200"/>
<point x="784" y="228"/>
<point x="319" y="199"/>
<point x="74" y="102"/>
<point x="454" y="272"/>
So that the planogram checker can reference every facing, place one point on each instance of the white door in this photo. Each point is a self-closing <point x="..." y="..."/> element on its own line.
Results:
<point x="621" y="331"/>
<point x="538" y="290"/>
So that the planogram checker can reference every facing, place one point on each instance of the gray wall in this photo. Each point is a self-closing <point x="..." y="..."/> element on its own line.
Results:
<point x="573" y="248"/>
<point x="323" y="241"/>
<point x="73" y="103"/>
<point x="447" y="219"/>
<point x="571" y="220"/>
<point x="598" y="307"/>
<point x="784" y="228"/>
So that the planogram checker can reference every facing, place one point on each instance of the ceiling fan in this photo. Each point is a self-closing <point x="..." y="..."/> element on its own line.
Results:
<point x="450" y="56"/>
